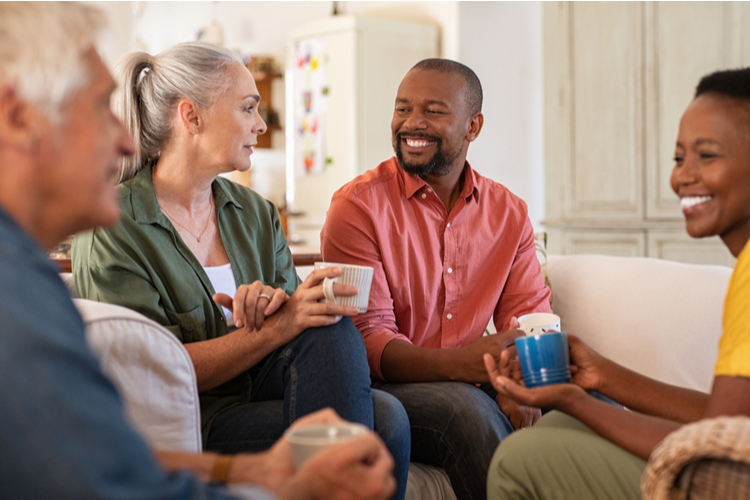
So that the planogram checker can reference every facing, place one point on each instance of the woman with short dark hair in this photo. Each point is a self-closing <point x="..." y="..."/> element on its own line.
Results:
<point x="590" y="449"/>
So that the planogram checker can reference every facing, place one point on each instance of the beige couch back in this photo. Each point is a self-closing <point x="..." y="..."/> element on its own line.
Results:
<point x="659" y="318"/>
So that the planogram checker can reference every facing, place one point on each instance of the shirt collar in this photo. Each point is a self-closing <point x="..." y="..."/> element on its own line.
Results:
<point x="413" y="183"/>
<point x="146" y="208"/>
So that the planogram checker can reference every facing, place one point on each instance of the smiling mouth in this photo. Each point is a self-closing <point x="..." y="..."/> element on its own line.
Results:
<point x="692" y="201"/>
<point x="417" y="143"/>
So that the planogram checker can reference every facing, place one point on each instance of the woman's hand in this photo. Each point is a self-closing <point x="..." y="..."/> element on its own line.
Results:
<point x="252" y="304"/>
<point x="547" y="397"/>
<point x="303" y="309"/>
<point x="586" y="365"/>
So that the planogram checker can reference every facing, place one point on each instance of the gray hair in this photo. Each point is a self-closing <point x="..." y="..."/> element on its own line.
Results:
<point x="41" y="50"/>
<point x="150" y="87"/>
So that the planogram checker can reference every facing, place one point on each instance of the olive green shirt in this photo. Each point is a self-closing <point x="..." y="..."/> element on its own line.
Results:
<point x="142" y="263"/>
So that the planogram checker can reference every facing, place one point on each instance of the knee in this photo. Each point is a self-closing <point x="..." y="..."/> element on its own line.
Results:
<point x="339" y="348"/>
<point x="340" y="338"/>
<point x="390" y="416"/>
<point x="392" y="425"/>
<point x="343" y="335"/>
<point x="477" y="415"/>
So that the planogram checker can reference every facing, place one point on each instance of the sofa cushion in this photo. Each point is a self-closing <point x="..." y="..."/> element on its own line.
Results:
<point x="656" y="317"/>
<point x="152" y="372"/>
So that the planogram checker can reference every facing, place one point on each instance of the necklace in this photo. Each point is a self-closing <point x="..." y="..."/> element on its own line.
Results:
<point x="208" y="219"/>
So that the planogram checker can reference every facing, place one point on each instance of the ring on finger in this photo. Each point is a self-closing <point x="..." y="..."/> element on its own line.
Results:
<point x="265" y="296"/>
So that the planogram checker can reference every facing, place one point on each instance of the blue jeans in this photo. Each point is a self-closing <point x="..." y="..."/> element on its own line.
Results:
<point x="455" y="426"/>
<point x="322" y="367"/>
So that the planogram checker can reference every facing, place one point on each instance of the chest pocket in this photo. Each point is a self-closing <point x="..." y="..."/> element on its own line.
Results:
<point x="192" y="324"/>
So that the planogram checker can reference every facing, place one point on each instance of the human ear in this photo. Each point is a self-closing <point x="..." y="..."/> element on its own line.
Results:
<point x="189" y="115"/>
<point x="21" y="123"/>
<point x="475" y="126"/>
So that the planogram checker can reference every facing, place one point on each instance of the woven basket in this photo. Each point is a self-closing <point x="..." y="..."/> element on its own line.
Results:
<point x="705" y="459"/>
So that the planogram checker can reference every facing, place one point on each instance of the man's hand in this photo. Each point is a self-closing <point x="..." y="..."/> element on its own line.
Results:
<point x="360" y="468"/>
<point x="271" y="468"/>
<point x="472" y="366"/>
<point x="520" y="416"/>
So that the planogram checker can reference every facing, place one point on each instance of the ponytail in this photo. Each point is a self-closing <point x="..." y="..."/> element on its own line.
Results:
<point x="152" y="86"/>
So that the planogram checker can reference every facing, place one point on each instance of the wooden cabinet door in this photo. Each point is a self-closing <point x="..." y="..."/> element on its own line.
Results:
<point x="604" y="242"/>
<point x="685" y="41"/>
<point x="594" y="109"/>
<point x="678" y="246"/>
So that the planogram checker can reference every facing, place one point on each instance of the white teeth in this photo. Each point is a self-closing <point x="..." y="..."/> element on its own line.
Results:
<point x="417" y="144"/>
<point x="691" y="201"/>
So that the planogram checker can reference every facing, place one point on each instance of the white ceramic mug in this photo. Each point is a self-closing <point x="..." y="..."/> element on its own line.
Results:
<point x="539" y="323"/>
<point x="308" y="440"/>
<point x="357" y="276"/>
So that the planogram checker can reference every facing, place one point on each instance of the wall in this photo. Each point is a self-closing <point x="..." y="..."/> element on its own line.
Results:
<point x="501" y="41"/>
<point x="254" y="27"/>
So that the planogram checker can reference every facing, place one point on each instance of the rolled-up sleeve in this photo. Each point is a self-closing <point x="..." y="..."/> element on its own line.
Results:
<point x="524" y="290"/>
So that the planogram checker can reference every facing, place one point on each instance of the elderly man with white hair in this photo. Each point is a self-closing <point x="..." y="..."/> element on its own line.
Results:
<point x="63" y="433"/>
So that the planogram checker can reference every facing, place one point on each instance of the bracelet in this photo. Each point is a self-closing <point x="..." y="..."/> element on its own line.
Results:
<point x="220" y="471"/>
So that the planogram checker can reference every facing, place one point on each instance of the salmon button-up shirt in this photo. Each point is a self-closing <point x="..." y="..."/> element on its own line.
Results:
<point x="438" y="277"/>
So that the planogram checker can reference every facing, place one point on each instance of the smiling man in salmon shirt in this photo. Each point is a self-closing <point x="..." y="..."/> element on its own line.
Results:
<point x="450" y="249"/>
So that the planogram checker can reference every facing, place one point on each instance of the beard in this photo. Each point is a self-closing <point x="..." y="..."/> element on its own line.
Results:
<point x="439" y="165"/>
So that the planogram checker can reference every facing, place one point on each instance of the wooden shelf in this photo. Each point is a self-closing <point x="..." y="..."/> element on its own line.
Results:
<point x="264" y="82"/>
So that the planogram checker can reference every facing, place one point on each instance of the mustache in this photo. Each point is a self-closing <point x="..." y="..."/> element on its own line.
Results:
<point x="417" y="135"/>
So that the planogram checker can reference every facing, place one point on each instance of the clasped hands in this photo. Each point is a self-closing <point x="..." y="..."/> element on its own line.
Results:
<point x="253" y="304"/>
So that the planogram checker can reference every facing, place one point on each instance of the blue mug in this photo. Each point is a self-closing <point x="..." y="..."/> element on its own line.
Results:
<point x="544" y="359"/>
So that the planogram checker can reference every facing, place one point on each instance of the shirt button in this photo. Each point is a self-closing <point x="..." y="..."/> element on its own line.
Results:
<point x="449" y="225"/>
<point x="450" y="316"/>
<point x="424" y="195"/>
<point x="450" y="270"/>
<point x="429" y="190"/>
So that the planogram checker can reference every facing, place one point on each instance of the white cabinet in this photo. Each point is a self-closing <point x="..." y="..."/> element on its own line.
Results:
<point x="618" y="76"/>
<point x="365" y="61"/>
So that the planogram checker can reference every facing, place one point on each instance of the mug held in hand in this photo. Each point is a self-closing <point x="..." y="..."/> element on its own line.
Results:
<point x="309" y="440"/>
<point x="356" y="276"/>
<point x="544" y="359"/>
<point x="539" y="323"/>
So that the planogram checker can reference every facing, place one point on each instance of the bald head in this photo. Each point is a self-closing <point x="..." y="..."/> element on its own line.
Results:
<point x="473" y="90"/>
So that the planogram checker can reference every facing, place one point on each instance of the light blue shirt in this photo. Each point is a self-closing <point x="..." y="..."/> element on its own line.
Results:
<point x="63" y="433"/>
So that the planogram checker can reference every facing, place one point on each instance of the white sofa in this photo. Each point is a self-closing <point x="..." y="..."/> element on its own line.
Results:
<point x="660" y="318"/>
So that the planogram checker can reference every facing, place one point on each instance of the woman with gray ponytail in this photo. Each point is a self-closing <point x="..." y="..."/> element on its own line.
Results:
<point x="207" y="258"/>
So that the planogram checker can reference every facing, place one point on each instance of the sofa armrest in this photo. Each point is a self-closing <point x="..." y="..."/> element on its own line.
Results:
<point x="151" y="370"/>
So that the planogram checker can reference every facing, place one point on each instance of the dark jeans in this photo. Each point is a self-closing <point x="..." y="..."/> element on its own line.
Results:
<point x="455" y="426"/>
<point x="322" y="367"/>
